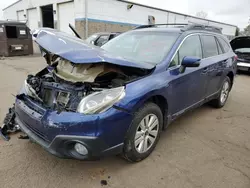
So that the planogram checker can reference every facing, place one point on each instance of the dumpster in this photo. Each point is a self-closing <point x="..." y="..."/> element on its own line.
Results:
<point x="15" y="39"/>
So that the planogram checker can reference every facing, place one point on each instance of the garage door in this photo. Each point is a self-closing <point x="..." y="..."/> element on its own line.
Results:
<point x="32" y="18"/>
<point x="65" y="16"/>
<point x="20" y="16"/>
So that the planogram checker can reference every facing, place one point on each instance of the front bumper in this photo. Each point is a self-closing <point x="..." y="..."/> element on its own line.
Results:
<point x="243" y="66"/>
<point x="63" y="145"/>
<point x="102" y="134"/>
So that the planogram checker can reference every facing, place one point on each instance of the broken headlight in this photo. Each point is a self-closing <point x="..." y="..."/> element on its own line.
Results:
<point x="100" y="101"/>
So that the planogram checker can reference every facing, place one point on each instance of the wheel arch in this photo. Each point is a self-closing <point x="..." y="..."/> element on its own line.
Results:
<point x="160" y="101"/>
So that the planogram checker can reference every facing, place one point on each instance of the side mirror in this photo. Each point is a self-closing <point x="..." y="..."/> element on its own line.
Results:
<point x="189" y="62"/>
<point x="92" y="42"/>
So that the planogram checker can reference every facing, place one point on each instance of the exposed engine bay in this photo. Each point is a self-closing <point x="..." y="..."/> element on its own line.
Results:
<point x="62" y="85"/>
<point x="79" y="78"/>
<point x="243" y="55"/>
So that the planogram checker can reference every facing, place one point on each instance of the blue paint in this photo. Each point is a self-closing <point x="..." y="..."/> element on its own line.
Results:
<point x="181" y="91"/>
<point x="106" y="21"/>
<point x="78" y="51"/>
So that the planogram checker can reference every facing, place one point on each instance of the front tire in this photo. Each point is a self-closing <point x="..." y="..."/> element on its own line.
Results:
<point x="221" y="100"/>
<point x="144" y="133"/>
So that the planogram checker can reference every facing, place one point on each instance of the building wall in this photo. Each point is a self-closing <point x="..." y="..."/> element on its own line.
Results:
<point x="104" y="15"/>
<point x="96" y="26"/>
<point x="115" y="12"/>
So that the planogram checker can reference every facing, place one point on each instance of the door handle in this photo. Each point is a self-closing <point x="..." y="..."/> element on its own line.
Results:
<point x="205" y="70"/>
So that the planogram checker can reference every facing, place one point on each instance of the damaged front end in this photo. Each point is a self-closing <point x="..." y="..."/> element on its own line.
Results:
<point x="73" y="84"/>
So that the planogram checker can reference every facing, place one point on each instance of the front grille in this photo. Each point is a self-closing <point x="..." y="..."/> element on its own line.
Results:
<point x="54" y="96"/>
<point x="30" y="119"/>
<point x="37" y="132"/>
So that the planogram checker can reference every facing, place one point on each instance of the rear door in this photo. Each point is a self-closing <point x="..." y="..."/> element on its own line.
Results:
<point x="214" y="61"/>
<point x="188" y="88"/>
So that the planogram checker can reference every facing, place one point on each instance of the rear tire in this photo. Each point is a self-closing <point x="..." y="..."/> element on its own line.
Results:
<point x="143" y="133"/>
<point x="221" y="100"/>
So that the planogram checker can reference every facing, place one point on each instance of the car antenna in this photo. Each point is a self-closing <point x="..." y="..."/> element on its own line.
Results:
<point x="73" y="29"/>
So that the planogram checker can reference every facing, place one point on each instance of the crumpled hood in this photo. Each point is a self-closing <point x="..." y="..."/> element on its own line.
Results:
<point x="240" y="42"/>
<point x="77" y="51"/>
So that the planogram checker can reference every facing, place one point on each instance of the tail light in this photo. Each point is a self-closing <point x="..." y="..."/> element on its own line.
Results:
<point x="235" y="58"/>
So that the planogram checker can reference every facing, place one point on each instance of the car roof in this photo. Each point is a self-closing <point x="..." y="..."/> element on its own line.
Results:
<point x="155" y="29"/>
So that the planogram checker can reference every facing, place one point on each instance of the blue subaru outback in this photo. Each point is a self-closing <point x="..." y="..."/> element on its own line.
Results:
<point x="90" y="102"/>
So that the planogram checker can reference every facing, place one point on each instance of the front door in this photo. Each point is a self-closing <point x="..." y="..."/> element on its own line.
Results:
<point x="188" y="88"/>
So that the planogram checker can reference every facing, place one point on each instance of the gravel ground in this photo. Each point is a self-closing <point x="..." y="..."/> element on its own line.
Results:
<point x="204" y="148"/>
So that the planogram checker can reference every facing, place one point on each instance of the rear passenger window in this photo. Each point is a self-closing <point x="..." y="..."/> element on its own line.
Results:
<point x="209" y="46"/>
<point x="225" y="45"/>
<point x="190" y="47"/>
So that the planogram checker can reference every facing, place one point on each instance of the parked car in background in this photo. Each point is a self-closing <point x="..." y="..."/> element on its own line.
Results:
<point x="100" y="39"/>
<point x="91" y="102"/>
<point x="241" y="46"/>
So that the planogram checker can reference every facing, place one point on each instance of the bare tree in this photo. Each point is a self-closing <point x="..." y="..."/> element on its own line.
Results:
<point x="201" y="14"/>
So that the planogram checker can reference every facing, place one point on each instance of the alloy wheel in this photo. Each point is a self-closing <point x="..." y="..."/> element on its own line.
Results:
<point x="224" y="92"/>
<point x="146" y="133"/>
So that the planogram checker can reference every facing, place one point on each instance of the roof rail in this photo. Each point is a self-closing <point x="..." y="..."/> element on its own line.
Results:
<point x="157" y="25"/>
<point x="202" y="27"/>
<point x="185" y="27"/>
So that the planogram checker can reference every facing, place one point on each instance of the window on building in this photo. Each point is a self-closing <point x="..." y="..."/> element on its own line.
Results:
<point x="11" y="31"/>
<point x="209" y="46"/>
<point x="190" y="47"/>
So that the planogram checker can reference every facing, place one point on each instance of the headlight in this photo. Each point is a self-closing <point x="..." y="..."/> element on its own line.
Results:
<point x="100" y="101"/>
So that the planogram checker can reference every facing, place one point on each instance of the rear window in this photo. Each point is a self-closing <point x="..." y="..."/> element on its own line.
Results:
<point x="226" y="47"/>
<point x="209" y="46"/>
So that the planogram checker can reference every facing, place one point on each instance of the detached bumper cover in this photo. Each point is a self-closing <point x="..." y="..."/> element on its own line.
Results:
<point x="62" y="146"/>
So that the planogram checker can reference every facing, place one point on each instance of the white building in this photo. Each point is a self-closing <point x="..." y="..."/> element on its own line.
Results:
<point x="90" y="16"/>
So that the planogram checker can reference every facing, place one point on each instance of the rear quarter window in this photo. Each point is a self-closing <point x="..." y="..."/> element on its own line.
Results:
<point x="209" y="46"/>
<point x="226" y="47"/>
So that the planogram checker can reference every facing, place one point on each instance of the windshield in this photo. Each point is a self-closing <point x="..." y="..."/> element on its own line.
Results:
<point x="91" y="38"/>
<point x="142" y="47"/>
<point x="243" y="50"/>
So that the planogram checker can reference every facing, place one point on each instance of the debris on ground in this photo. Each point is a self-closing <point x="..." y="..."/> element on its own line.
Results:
<point x="23" y="136"/>
<point x="9" y="125"/>
<point x="104" y="182"/>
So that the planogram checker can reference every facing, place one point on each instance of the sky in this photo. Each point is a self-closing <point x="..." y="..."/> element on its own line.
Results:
<point x="3" y="4"/>
<point x="234" y="12"/>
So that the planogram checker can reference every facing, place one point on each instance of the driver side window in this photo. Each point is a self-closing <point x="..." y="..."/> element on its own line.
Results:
<point x="190" y="47"/>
